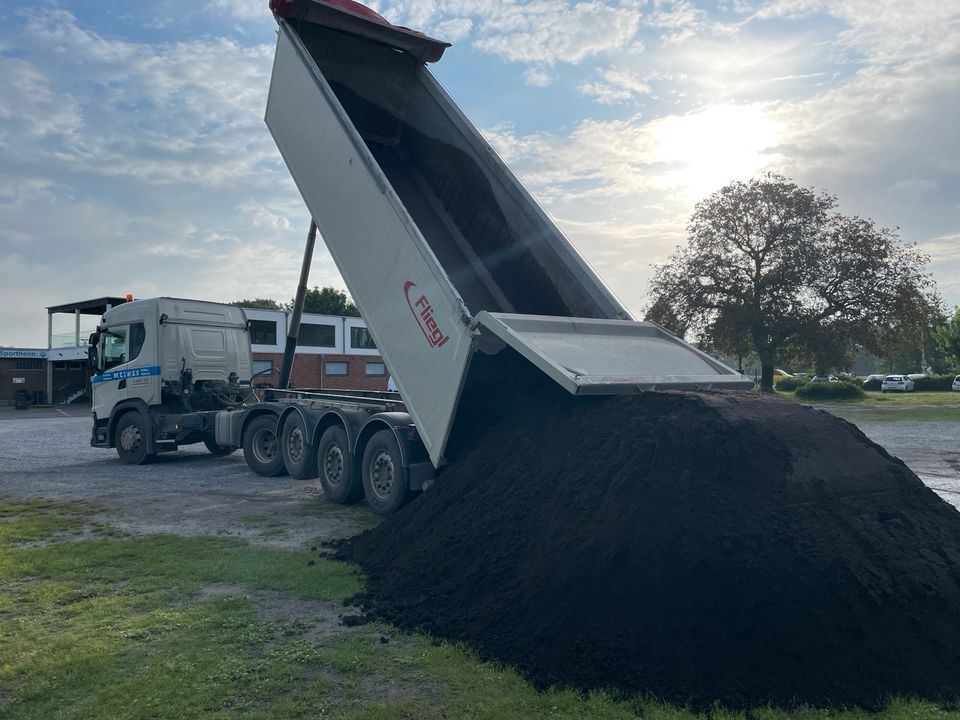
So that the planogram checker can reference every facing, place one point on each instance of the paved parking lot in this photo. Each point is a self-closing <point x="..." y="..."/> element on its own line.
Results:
<point x="46" y="452"/>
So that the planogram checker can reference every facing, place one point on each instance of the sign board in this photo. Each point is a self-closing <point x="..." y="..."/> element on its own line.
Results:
<point x="19" y="381"/>
<point x="17" y="353"/>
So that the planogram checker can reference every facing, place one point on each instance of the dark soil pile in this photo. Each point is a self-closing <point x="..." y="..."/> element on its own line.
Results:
<point x="695" y="546"/>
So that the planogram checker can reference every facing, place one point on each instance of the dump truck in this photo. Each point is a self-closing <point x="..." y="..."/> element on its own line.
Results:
<point x="443" y="250"/>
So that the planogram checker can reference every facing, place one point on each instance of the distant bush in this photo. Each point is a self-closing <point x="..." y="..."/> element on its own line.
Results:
<point x="791" y="383"/>
<point x="934" y="383"/>
<point x="830" y="391"/>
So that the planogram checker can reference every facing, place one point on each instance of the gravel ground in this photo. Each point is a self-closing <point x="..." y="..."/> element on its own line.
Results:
<point x="46" y="452"/>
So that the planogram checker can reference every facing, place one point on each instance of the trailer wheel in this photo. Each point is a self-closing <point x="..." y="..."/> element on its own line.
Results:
<point x="217" y="450"/>
<point x="384" y="477"/>
<point x="299" y="456"/>
<point x="131" y="439"/>
<point x="335" y="463"/>
<point x="260" y="447"/>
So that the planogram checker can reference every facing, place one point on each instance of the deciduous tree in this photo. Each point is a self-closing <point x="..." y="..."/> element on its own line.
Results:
<point x="773" y="264"/>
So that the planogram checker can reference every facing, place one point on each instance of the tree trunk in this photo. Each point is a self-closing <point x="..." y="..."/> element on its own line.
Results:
<point x="766" y="375"/>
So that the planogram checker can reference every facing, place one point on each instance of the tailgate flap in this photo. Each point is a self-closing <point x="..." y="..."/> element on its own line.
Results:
<point x="605" y="357"/>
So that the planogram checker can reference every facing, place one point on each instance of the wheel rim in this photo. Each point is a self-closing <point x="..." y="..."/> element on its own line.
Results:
<point x="130" y="438"/>
<point x="333" y="466"/>
<point x="382" y="475"/>
<point x="295" y="445"/>
<point x="265" y="445"/>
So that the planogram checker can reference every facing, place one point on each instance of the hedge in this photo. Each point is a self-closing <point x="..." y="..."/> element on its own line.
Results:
<point x="830" y="391"/>
<point x="929" y="383"/>
<point x="934" y="382"/>
<point x="789" y="384"/>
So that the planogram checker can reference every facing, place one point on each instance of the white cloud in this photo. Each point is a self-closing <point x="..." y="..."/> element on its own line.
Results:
<point x="615" y="86"/>
<point x="537" y="76"/>
<point x="543" y="32"/>
<point x="138" y="167"/>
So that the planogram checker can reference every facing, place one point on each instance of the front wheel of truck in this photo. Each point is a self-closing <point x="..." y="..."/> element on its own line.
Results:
<point x="261" y="448"/>
<point x="130" y="438"/>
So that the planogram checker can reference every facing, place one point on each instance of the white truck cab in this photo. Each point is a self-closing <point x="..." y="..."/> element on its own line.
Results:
<point x="162" y="368"/>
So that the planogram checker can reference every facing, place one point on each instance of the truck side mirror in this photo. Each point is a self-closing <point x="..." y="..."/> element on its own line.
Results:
<point x="93" y="360"/>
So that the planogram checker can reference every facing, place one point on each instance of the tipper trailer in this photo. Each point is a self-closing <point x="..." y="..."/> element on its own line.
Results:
<point x="441" y="247"/>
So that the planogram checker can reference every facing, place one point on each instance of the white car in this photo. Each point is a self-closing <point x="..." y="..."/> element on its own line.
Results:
<point x="956" y="384"/>
<point x="896" y="383"/>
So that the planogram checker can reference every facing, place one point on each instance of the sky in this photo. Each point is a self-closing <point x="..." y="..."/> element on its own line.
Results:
<point x="134" y="157"/>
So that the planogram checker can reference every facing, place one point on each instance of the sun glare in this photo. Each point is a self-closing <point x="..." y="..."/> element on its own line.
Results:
<point x="704" y="150"/>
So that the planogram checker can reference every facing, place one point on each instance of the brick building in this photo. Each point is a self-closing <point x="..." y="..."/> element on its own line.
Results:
<point x="333" y="352"/>
<point x="24" y="375"/>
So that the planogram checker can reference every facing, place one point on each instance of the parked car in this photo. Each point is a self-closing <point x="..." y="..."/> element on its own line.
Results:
<point x="871" y="378"/>
<point x="896" y="383"/>
<point x="824" y="378"/>
<point x="956" y="384"/>
<point x="779" y="375"/>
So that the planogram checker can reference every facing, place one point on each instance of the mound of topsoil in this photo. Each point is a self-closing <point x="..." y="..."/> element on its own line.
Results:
<point x="695" y="546"/>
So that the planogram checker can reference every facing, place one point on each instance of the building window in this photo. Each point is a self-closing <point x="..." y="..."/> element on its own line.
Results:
<point x="59" y="365"/>
<point x="336" y="368"/>
<point x="360" y="339"/>
<point x="375" y="369"/>
<point x="263" y="332"/>
<point x="312" y="335"/>
<point x="262" y="366"/>
<point x="28" y="364"/>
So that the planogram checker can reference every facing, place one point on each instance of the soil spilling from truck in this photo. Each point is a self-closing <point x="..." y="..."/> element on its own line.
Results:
<point x="695" y="546"/>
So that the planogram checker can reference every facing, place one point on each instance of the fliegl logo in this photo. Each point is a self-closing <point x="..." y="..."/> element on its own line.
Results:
<point x="423" y="311"/>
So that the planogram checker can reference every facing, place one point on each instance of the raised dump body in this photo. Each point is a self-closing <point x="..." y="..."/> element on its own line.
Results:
<point x="439" y="244"/>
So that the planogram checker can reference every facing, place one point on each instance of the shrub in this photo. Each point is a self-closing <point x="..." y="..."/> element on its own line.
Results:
<point x="830" y="391"/>
<point x="789" y="384"/>
<point x="934" y="382"/>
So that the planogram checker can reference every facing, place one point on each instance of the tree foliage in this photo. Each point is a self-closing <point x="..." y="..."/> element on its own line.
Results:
<point x="328" y="301"/>
<point x="261" y="303"/>
<point x="320" y="301"/>
<point x="773" y="268"/>
<point x="948" y="339"/>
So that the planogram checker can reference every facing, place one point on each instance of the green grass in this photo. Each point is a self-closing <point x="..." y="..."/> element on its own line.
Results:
<point x="913" y="406"/>
<point x="120" y="627"/>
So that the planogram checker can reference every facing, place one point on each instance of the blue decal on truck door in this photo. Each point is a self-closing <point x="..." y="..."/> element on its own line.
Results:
<point x="129" y="373"/>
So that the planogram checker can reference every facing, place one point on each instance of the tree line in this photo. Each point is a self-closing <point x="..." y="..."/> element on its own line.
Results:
<point x="774" y="271"/>
<point x="318" y="300"/>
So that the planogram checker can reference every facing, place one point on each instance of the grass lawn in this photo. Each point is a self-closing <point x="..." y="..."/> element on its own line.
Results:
<point x="912" y="406"/>
<point x="95" y="624"/>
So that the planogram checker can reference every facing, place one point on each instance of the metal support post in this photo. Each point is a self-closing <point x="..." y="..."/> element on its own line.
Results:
<point x="293" y="327"/>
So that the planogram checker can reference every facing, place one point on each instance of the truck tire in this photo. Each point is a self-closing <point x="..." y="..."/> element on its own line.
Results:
<point x="384" y="477"/>
<point x="335" y="464"/>
<point x="299" y="456"/>
<point x="130" y="438"/>
<point x="261" y="449"/>
<point x="217" y="450"/>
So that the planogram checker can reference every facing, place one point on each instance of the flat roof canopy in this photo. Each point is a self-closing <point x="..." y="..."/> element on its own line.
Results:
<point x="97" y="306"/>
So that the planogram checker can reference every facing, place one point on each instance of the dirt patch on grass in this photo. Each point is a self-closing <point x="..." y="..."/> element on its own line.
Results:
<point x="698" y="547"/>
<point x="315" y="621"/>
